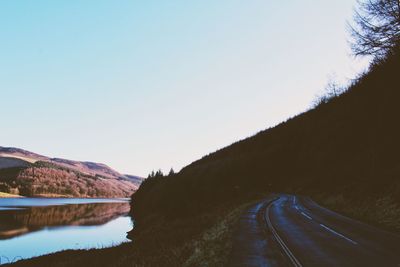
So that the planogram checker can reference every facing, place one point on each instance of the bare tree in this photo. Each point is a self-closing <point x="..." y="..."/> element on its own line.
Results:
<point x="376" y="30"/>
<point x="332" y="90"/>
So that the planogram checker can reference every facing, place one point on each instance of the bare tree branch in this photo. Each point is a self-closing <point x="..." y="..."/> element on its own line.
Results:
<point x="376" y="29"/>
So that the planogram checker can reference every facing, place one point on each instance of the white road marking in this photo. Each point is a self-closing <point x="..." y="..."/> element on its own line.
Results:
<point x="297" y="208"/>
<point x="338" y="234"/>
<point x="305" y="215"/>
<point x="290" y="255"/>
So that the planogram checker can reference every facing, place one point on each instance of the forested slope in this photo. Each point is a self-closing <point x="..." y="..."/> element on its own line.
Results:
<point x="347" y="146"/>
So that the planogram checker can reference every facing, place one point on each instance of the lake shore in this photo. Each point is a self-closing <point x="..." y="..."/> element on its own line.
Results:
<point x="205" y="239"/>
<point x="30" y="227"/>
<point x="7" y="195"/>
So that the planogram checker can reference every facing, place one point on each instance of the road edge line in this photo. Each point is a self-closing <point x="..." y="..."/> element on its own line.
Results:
<point x="284" y="247"/>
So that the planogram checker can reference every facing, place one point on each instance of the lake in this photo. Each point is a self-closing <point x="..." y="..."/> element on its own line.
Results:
<point x="32" y="227"/>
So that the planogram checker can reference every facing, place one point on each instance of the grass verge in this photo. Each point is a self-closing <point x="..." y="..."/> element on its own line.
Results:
<point x="382" y="212"/>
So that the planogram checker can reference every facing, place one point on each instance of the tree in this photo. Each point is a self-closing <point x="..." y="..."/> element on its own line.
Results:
<point x="159" y="173"/>
<point x="377" y="27"/>
<point x="331" y="91"/>
<point x="171" y="172"/>
<point x="153" y="174"/>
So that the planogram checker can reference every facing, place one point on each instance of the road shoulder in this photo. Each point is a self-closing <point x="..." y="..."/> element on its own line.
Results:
<point x="253" y="243"/>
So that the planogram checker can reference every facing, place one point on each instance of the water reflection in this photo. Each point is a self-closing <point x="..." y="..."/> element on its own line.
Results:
<point x="19" y="221"/>
<point x="33" y="227"/>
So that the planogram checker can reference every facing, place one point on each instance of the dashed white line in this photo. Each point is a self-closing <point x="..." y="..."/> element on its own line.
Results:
<point x="294" y="203"/>
<point x="305" y="215"/>
<point x="338" y="234"/>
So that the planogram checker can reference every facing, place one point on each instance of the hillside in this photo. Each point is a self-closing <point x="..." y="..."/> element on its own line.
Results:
<point x="29" y="174"/>
<point x="9" y="162"/>
<point x="137" y="180"/>
<point x="345" y="149"/>
<point x="90" y="168"/>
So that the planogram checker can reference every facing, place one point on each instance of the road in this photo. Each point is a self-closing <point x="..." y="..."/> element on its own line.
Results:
<point x="295" y="231"/>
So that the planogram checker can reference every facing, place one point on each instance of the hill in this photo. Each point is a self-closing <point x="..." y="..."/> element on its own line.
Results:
<point x="29" y="174"/>
<point x="89" y="168"/>
<point x="343" y="153"/>
<point x="137" y="180"/>
<point x="9" y="162"/>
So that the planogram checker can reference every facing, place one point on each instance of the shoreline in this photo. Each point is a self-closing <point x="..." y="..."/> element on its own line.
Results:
<point x="7" y="195"/>
<point x="193" y="246"/>
<point x="45" y="196"/>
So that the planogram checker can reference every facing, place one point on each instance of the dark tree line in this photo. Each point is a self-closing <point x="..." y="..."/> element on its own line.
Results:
<point x="159" y="174"/>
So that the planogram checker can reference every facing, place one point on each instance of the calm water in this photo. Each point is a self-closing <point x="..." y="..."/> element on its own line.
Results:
<point x="35" y="226"/>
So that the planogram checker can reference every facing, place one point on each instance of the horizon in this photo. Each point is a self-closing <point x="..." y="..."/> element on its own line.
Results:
<point x="112" y="90"/>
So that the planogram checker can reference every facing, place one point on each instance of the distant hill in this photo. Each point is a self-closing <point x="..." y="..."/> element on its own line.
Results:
<point x="134" y="179"/>
<point x="9" y="162"/>
<point x="85" y="167"/>
<point x="26" y="173"/>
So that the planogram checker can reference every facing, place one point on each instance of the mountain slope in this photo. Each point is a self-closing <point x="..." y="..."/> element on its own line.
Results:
<point x="10" y="162"/>
<point x="343" y="153"/>
<point x="348" y="146"/>
<point x="134" y="179"/>
<point x="30" y="174"/>
<point x="85" y="167"/>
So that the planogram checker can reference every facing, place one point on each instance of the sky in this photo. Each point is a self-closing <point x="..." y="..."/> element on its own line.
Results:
<point x="143" y="85"/>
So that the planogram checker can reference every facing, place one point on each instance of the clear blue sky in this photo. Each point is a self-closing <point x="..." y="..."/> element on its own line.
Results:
<point x="142" y="85"/>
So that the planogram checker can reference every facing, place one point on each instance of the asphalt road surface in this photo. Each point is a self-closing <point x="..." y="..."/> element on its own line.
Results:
<point x="291" y="230"/>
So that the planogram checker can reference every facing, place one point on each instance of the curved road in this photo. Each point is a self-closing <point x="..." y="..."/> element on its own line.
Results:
<point x="306" y="234"/>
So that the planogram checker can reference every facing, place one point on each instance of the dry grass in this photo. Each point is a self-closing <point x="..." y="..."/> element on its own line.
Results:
<point x="215" y="244"/>
<point x="30" y="160"/>
<point x="382" y="212"/>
